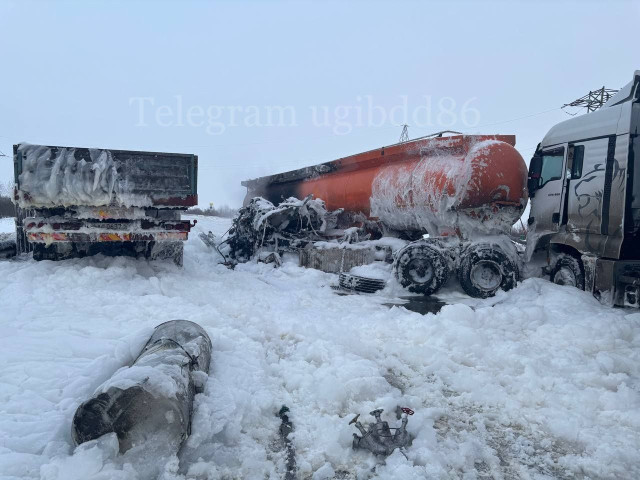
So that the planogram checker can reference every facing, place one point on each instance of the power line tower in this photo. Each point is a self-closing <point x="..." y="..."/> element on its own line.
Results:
<point x="404" y="136"/>
<point x="592" y="100"/>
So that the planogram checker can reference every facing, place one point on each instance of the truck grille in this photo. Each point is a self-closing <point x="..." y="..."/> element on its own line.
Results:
<point x="360" y="284"/>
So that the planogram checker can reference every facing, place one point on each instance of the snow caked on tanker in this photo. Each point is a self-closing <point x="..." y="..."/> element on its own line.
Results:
<point x="464" y="191"/>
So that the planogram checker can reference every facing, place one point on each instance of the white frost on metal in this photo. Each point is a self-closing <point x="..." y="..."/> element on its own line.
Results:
<point x="125" y="226"/>
<point x="62" y="180"/>
<point x="306" y="206"/>
<point x="120" y="213"/>
<point x="413" y="198"/>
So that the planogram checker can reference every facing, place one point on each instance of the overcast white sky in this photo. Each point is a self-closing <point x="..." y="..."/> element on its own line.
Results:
<point x="203" y="77"/>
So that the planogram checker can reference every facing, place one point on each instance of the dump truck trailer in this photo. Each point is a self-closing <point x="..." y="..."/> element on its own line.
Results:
<point x="74" y="201"/>
<point x="462" y="191"/>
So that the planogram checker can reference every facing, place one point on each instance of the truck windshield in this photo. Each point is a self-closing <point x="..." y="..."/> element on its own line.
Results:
<point x="551" y="166"/>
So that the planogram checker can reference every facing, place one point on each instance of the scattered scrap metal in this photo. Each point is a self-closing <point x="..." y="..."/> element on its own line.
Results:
<point x="264" y="231"/>
<point x="377" y="438"/>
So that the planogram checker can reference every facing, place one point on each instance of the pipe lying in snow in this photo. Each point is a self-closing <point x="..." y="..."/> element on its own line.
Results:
<point x="7" y="246"/>
<point x="150" y="403"/>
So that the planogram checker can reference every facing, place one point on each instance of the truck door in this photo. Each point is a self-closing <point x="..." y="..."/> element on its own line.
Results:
<point x="546" y="189"/>
<point x="585" y="195"/>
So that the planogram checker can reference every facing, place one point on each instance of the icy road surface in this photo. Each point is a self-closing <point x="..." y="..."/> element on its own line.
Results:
<point x="543" y="384"/>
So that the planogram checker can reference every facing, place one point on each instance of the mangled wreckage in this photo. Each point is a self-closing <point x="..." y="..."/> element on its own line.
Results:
<point x="433" y="207"/>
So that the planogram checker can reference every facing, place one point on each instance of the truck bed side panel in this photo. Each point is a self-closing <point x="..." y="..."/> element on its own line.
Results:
<point x="48" y="176"/>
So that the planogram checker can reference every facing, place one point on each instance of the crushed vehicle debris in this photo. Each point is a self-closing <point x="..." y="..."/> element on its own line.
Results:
<point x="294" y="223"/>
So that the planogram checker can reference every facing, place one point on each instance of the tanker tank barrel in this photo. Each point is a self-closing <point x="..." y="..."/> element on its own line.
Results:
<point x="471" y="182"/>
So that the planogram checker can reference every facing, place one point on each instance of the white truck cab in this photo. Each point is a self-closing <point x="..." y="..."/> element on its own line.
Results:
<point x="584" y="185"/>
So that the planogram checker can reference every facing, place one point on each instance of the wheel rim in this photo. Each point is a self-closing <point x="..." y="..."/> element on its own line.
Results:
<point x="564" y="276"/>
<point x="420" y="271"/>
<point x="486" y="275"/>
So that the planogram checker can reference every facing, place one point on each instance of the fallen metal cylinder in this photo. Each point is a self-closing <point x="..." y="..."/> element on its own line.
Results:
<point x="7" y="246"/>
<point x="149" y="403"/>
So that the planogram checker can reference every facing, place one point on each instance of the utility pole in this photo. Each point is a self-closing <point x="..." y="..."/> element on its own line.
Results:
<point x="404" y="136"/>
<point x="592" y="100"/>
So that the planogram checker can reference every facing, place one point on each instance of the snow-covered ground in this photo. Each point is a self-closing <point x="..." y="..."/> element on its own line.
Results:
<point x="540" y="382"/>
<point x="7" y="225"/>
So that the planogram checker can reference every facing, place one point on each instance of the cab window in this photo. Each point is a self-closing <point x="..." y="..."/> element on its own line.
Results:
<point x="578" y="159"/>
<point x="552" y="162"/>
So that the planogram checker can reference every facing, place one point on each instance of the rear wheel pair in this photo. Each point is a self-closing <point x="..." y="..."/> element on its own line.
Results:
<point x="421" y="268"/>
<point x="148" y="250"/>
<point x="484" y="268"/>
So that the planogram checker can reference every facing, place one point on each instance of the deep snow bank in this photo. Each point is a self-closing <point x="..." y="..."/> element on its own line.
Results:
<point x="543" y="384"/>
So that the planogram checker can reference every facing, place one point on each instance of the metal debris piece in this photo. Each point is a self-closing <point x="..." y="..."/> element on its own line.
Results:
<point x="360" y="284"/>
<point x="209" y="239"/>
<point x="150" y="403"/>
<point x="378" y="438"/>
<point x="261" y="226"/>
<point x="270" y="257"/>
<point x="286" y="427"/>
<point x="336" y="260"/>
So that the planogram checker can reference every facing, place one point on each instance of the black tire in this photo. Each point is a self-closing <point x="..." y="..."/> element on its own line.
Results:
<point x="44" y="252"/>
<point x="568" y="271"/>
<point x="39" y="252"/>
<point x="55" y="251"/>
<point x="486" y="268"/>
<point x="421" y="268"/>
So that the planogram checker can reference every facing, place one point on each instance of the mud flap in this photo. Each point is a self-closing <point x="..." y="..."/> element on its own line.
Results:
<point x="166" y="251"/>
<point x="589" y="264"/>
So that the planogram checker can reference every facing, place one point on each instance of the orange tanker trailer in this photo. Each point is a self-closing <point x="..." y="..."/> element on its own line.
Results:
<point x="465" y="191"/>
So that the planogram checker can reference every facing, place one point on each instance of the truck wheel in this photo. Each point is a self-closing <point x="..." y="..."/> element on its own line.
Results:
<point x="44" y="252"/>
<point x="484" y="269"/>
<point x="39" y="252"/>
<point x="421" y="269"/>
<point x="568" y="271"/>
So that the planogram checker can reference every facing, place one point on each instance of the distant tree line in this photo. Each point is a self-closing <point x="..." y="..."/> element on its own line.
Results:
<point x="6" y="206"/>
<point x="223" y="211"/>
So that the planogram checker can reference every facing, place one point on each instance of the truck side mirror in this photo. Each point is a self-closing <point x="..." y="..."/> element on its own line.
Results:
<point x="535" y="168"/>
